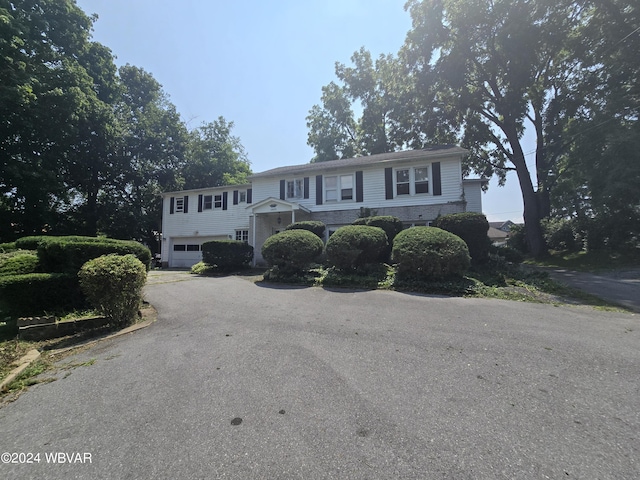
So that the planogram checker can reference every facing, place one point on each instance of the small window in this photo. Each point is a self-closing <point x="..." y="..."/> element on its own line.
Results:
<point x="242" y="196"/>
<point x="179" y="248"/>
<point x="207" y="202"/>
<point x="331" y="189"/>
<point x="422" y="180"/>
<point x="242" y="235"/>
<point x="217" y="201"/>
<point x="193" y="248"/>
<point x="295" y="188"/>
<point x="402" y="182"/>
<point x="180" y="205"/>
<point x="346" y="187"/>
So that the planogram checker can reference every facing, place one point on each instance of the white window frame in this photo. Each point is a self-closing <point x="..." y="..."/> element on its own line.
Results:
<point x="339" y="190"/>
<point x="179" y="205"/>
<point x="242" y="196"/>
<point x="295" y="188"/>
<point x="242" y="235"/>
<point x="207" y="202"/>
<point x="412" y="183"/>
<point x="217" y="202"/>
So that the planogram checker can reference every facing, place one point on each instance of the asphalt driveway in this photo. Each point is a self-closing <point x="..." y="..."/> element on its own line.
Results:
<point x="242" y="381"/>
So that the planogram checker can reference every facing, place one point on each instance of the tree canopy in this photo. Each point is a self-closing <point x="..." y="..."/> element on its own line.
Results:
<point x="479" y="73"/>
<point x="85" y="147"/>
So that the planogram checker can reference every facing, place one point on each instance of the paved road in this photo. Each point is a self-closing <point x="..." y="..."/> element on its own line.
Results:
<point x="242" y="381"/>
<point x="621" y="287"/>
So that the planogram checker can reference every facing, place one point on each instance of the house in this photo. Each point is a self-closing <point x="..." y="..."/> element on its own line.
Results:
<point x="416" y="186"/>
<point x="499" y="232"/>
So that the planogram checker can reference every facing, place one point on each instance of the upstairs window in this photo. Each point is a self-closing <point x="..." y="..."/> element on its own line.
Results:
<point x="217" y="201"/>
<point x="207" y="202"/>
<point x="295" y="188"/>
<point x="412" y="181"/>
<point x="242" y="196"/>
<point x="338" y="188"/>
<point x="179" y="205"/>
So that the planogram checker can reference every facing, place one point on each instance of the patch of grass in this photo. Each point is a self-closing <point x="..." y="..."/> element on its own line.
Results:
<point x="584" y="261"/>
<point x="29" y="376"/>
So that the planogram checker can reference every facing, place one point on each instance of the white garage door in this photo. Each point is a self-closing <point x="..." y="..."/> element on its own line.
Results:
<point x="187" y="251"/>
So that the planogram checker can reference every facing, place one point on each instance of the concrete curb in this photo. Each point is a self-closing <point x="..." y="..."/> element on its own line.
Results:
<point x="23" y="363"/>
<point x="34" y="354"/>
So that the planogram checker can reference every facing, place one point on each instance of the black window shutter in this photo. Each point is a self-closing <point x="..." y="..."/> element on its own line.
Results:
<point x="282" y="185"/>
<point x="235" y="197"/>
<point x="249" y="195"/>
<point x="388" y="183"/>
<point x="306" y="187"/>
<point x="200" y="203"/>
<point x="186" y="204"/>
<point x="224" y="200"/>
<point x="171" y="205"/>
<point x="359" y="188"/>
<point x="437" y="178"/>
<point x="318" y="189"/>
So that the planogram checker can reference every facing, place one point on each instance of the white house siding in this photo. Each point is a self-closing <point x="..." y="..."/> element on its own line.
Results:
<point x="473" y="195"/>
<point x="195" y="228"/>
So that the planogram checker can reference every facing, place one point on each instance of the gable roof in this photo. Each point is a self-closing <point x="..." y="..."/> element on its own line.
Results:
<point x="429" y="152"/>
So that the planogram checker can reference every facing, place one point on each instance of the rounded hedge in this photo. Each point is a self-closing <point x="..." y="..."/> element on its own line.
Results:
<point x="18" y="263"/>
<point x="390" y="224"/>
<point x="113" y="285"/>
<point x="430" y="253"/>
<point x="471" y="227"/>
<point x="354" y="246"/>
<point x="292" y="250"/>
<point x="316" y="227"/>
<point x="227" y="255"/>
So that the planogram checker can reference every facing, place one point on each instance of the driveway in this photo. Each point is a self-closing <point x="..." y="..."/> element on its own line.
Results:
<point x="242" y="381"/>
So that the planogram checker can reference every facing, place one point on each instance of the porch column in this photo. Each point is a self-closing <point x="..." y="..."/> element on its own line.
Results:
<point x="293" y="215"/>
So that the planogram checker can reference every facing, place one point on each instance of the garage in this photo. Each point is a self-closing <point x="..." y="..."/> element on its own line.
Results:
<point x="187" y="251"/>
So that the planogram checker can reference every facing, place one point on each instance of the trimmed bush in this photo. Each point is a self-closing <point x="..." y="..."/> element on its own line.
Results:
<point x="354" y="246"/>
<point x="68" y="254"/>
<point x="37" y="293"/>
<point x="292" y="250"/>
<point x="471" y="227"/>
<point x="391" y="225"/>
<point x="18" y="263"/>
<point x="227" y="255"/>
<point x="429" y="253"/>
<point x="7" y="247"/>
<point x="113" y="285"/>
<point x="315" y="227"/>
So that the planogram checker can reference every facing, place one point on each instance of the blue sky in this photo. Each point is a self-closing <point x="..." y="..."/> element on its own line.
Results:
<point x="259" y="64"/>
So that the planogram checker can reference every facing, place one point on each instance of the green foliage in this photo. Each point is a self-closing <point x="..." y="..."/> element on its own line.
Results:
<point x="18" y="263"/>
<point x="472" y="228"/>
<point x="314" y="226"/>
<point x="560" y="235"/>
<point x="113" y="285"/>
<point x="353" y="246"/>
<point x="201" y="268"/>
<point x="227" y="255"/>
<point x="429" y="253"/>
<point x="391" y="225"/>
<point x="68" y="254"/>
<point x="518" y="239"/>
<point x="7" y="247"/>
<point x="292" y="250"/>
<point x="38" y="293"/>
<point x="510" y="254"/>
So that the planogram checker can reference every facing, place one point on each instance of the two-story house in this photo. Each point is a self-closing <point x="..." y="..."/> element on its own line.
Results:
<point x="416" y="186"/>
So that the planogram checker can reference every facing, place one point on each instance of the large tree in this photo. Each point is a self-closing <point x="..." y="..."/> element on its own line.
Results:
<point x="215" y="157"/>
<point x="501" y="67"/>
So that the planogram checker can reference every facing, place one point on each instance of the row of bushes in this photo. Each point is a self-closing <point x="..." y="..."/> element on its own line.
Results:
<point x="422" y="252"/>
<point x="41" y="275"/>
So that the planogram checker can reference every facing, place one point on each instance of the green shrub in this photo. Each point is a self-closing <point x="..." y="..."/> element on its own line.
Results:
<point x="429" y="253"/>
<point x="68" y="254"/>
<point x="227" y="255"/>
<point x="8" y="247"/>
<point x="18" y="263"/>
<point x="113" y="285"/>
<point x="471" y="227"/>
<point x="518" y="238"/>
<point x="391" y="226"/>
<point x="315" y="227"/>
<point x="201" y="268"/>
<point x="510" y="254"/>
<point x="37" y="293"/>
<point x="560" y="235"/>
<point x="354" y="246"/>
<point x="292" y="250"/>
